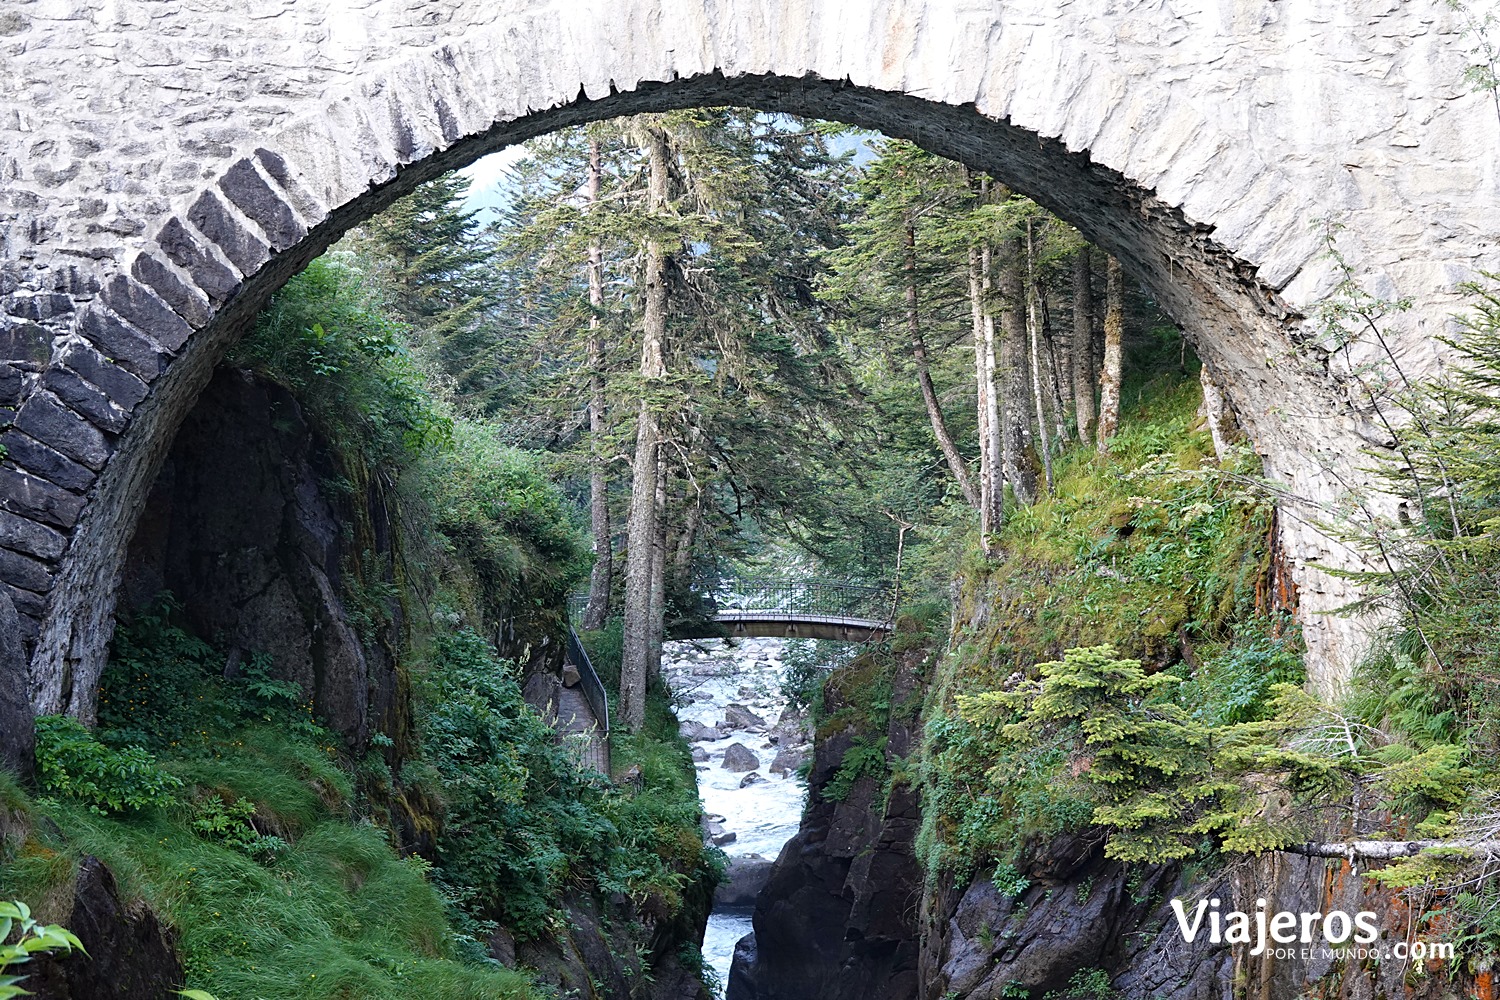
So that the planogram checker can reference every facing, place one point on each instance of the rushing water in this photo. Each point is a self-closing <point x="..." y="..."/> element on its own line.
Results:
<point x="705" y="678"/>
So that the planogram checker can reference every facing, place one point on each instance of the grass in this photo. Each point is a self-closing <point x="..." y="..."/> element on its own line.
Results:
<point x="339" y="914"/>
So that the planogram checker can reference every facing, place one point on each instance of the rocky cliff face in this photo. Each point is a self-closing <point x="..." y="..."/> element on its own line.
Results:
<point x="847" y="914"/>
<point x="838" y="918"/>
<point x="245" y="528"/>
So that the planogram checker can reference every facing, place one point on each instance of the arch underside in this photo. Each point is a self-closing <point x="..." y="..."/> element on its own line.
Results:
<point x="1233" y="318"/>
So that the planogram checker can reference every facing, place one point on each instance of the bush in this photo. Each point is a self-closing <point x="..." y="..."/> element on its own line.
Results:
<point x="73" y="763"/>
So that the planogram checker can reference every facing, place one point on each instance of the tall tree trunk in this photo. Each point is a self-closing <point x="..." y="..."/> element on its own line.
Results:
<point x="924" y="377"/>
<point x="1038" y="377"/>
<point x="643" y="511"/>
<point x="1055" y="367"/>
<point x="602" y="579"/>
<point x="1114" y="333"/>
<point x="982" y="324"/>
<point x="656" y="625"/>
<point x="1219" y="413"/>
<point x="1083" y="345"/>
<point x="1018" y="469"/>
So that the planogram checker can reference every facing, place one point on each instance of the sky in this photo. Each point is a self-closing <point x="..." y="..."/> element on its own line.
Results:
<point x="487" y="176"/>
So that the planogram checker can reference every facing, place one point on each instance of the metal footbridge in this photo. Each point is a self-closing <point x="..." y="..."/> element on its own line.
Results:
<point x="799" y="609"/>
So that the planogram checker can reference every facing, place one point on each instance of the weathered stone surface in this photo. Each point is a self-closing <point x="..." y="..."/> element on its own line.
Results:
<point x="86" y="399"/>
<point x="238" y="528"/>
<point x="215" y="280"/>
<point x="120" y="343"/>
<point x="737" y="716"/>
<point x="23" y="571"/>
<point x="695" y="732"/>
<point x="837" y="917"/>
<point x="16" y="735"/>
<point x="38" y="498"/>
<point x="42" y="461"/>
<point x="140" y="307"/>
<point x="25" y="535"/>
<point x="214" y="219"/>
<point x="744" y="878"/>
<point x="10" y="385"/>
<point x="184" y="301"/>
<point x="244" y="186"/>
<point x="24" y="342"/>
<point x="124" y="388"/>
<point x="130" y="955"/>
<point x="739" y="757"/>
<point x="45" y="419"/>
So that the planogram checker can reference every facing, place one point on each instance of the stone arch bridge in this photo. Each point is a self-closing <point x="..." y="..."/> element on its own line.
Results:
<point x="164" y="167"/>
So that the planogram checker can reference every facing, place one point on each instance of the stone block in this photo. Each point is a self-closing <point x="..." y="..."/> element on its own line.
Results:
<point x="120" y="343"/>
<point x="140" y="307"/>
<point x="89" y="400"/>
<point x="38" y="499"/>
<point x="207" y="271"/>
<point x="27" y="536"/>
<point x="24" y="572"/>
<point x="39" y="460"/>
<point x="46" y="419"/>
<point x="11" y="380"/>
<point x="247" y="189"/>
<point x="276" y="167"/>
<point x="124" y="388"/>
<point x="215" y="220"/>
<point x="24" y="341"/>
<point x="27" y="604"/>
<point x="39" y="307"/>
<point x="186" y="302"/>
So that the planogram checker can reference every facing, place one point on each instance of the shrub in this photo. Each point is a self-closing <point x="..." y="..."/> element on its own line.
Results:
<point x="73" y="763"/>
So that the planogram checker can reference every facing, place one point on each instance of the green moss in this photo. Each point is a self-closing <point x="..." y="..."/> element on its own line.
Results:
<point x="1145" y="548"/>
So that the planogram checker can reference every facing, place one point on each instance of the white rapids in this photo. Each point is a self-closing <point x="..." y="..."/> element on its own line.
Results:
<point x="764" y="815"/>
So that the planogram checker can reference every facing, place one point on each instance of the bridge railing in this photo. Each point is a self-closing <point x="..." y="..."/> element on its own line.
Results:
<point x="595" y="753"/>
<point x="826" y="598"/>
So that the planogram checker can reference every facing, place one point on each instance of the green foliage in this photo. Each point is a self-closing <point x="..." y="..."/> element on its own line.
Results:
<point x="32" y="939"/>
<point x="72" y="762"/>
<point x="232" y="824"/>
<point x="1086" y="984"/>
<point x="326" y="338"/>
<point x="522" y="821"/>
<point x="1145" y="763"/>
<point x="504" y="519"/>
<point x="164" y="687"/>
<point x="517" y="816"/>
<point x="865" y="757"/>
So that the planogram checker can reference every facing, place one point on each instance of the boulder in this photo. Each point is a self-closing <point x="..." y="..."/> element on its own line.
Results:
<point x="697" y="732"/>
<point x="724" y="839"/>
<point x="740" y="758"/>
<point x="737" y="716"/>
<point x="130" y="953"/>
<point x="750" y="779"/>
<point x="570" y="675"/>
<point x="699" y="755"/>
<point x="744" y="878"/>
<point x="787" y="761"/>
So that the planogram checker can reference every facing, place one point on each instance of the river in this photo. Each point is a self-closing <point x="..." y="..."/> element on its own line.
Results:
<point x="747" y="820"/>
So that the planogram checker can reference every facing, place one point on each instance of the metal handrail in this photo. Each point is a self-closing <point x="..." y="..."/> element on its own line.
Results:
<point x="594" y="694"/>
<point x="835" y="598"/>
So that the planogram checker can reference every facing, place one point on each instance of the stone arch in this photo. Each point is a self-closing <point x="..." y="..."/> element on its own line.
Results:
<point x="1145" y="129"/>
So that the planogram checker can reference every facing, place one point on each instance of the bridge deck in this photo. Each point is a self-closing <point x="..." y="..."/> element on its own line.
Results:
<point x="787" y="624"/>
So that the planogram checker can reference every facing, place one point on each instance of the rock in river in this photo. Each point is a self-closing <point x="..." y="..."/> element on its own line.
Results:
<point x="740" y="758"/>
